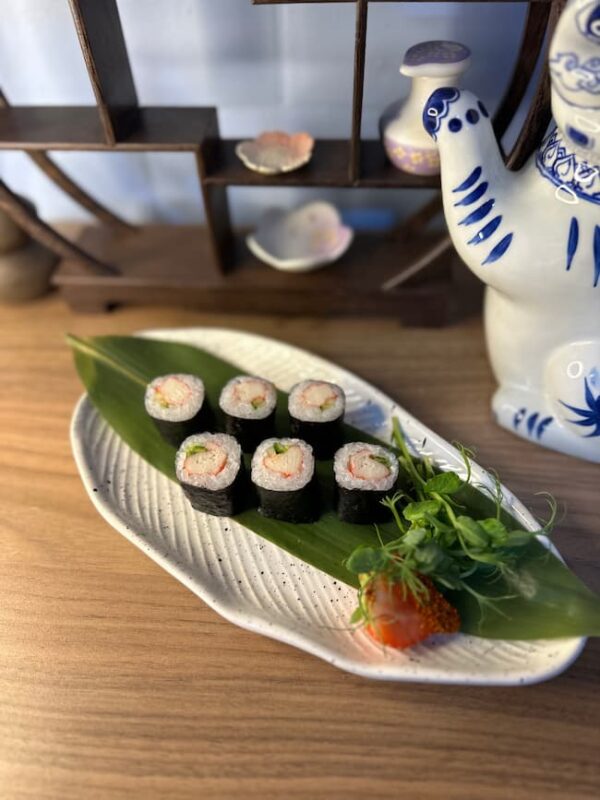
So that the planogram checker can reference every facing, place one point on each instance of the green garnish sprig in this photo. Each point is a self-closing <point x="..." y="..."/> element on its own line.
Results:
<point x="438" y="539"/>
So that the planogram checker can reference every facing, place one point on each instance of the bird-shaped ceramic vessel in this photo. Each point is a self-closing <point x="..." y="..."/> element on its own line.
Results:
<point x="533" y="237"/>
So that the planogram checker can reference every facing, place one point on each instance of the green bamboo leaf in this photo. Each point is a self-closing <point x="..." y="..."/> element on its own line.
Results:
<point x="550" y="600"/>
<point x="115" y="371"/>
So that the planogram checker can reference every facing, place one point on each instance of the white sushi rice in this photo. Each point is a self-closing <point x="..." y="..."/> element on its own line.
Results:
<point x="344" y="478"/>
<point x="227" y="444"/>
<point x="233" y="402"/>
<point x="306" y="412"/>
<point x="174" y="412"/>
<point x="266" y="478"/>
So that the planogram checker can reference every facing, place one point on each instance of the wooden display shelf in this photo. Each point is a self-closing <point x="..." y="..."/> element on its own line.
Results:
<point x="162" y="265"/>
<point x="328" y="167"/>
<point x="80" y="128"/>
<point x="165" y="265"/>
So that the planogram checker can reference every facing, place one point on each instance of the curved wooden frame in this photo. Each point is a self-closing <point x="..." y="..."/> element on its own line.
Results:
<point x="27" y="219"/>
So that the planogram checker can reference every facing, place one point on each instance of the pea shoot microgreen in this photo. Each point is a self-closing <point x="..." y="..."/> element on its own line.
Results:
<point x="437" y="540"/>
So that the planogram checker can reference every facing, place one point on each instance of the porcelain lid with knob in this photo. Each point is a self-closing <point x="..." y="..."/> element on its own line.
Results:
<point x="436" y="59"/>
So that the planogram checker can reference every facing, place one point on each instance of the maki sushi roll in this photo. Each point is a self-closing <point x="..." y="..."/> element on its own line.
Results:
<point x="364" y="475"/>
<point x="316" y="411"/>
<point x="248" y="404"/>
<point x="176" y="403"/>
<point x="209" y="469"/>
<point x="283" y="474"/>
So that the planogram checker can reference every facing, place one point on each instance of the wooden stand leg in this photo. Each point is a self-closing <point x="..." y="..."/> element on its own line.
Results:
<point x="85" y="302"/>
<point x="218" y="222"/>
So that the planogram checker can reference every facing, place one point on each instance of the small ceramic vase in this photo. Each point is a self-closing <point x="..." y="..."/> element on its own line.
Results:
<point x="431" y="65"/>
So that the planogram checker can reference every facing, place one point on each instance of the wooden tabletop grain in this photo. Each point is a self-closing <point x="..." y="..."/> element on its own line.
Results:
<point x="116" y="682"/>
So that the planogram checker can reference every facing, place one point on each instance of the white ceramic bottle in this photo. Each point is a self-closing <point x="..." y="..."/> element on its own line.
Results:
<point x="533" y="237"/>
<point x="430" y="65"/>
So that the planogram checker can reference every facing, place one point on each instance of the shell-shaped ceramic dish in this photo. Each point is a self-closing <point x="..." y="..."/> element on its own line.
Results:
<point x="301" y="240"/>
<point x="274" y="152"/>
<point x="260" y="587"/>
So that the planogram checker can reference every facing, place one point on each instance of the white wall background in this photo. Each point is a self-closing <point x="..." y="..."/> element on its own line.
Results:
<point x="286" y="67"/>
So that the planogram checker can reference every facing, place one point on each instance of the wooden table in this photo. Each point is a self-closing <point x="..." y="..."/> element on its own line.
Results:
<point x="117" y="682"/>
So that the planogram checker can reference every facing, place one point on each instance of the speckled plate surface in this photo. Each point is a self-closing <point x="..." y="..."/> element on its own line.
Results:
<point x="258" y="586"/>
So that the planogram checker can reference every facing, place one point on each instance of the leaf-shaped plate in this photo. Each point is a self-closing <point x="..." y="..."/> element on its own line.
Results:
<point x="258" y="586"/>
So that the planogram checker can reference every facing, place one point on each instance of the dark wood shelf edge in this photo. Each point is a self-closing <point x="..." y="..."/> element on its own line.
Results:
<point x="157" y="128"/>
<point x="162" y="265"/>
<point x="328" y="168"/>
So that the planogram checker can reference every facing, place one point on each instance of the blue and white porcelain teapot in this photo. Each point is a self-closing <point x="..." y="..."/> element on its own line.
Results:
<point x="533" y="237"/>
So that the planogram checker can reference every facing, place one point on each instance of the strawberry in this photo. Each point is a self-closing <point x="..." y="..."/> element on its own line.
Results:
<point x="397" y="618"/>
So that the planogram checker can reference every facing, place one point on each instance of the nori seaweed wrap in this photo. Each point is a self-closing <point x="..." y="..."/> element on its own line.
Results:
<point x="248" y="404"/>
<point x="178" y="407"/>
<point x="283" y="474"/>
<point x="364" y="475"/>
<point x="209" y="467"/>
<point x="316" y="410"/>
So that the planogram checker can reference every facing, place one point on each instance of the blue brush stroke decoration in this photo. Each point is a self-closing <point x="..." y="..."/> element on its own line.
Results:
<point x="486" y="231"/>
<point x="589" y="23"/>
<point x="473" y="196"/>
<point x="479" y="213"/>
<point x="483" y="109"/>
<point x="590" y="416"/>
<point x="499" y="250"/>
<point x="438" y="107"/>
<point x="472" y="116"/>
<point x="573" y="241"/>
<point x="534" y="428"/>
<point x="454" y="125"/>
<point x="531" y="420"/>
<point x="470" y="181"/>
<point x="518" y="417"/>
<point x="581" y="139"/>
<point x="596" y="254"/>
<point x="542" y="426"/>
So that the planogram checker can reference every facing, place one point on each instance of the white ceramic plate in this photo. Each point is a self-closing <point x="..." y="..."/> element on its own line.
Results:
<point x="258" y="586"/>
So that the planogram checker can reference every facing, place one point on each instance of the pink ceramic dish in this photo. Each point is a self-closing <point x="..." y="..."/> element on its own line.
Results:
<point x="275" y="151"/>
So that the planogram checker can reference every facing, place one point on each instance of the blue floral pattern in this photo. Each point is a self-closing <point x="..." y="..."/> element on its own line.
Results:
<point x="561" y="166"/>
<point x="589" y="417"/>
